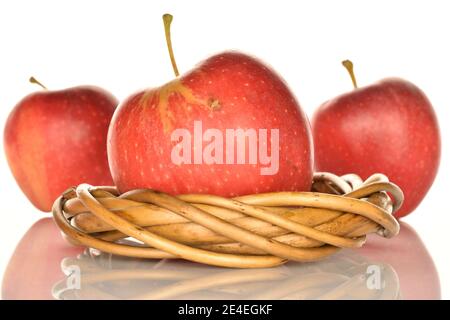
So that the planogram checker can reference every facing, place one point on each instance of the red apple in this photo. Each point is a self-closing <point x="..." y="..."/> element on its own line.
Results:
<point x="35" y="265"/>
<point x="388" y="127"/>
<point x="175" y="138"/>
<point x="57" y="139"/>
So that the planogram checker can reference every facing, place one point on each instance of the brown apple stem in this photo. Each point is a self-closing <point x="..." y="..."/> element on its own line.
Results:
<point x="167" y="18"/>
<point x="349" y="66"/>
<point x="33" y="80"/>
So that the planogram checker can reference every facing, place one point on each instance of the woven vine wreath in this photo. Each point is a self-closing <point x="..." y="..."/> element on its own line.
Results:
<point x="253" y="231"/>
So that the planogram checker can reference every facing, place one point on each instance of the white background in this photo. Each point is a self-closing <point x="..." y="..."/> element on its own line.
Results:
<point x="120" y="46"/>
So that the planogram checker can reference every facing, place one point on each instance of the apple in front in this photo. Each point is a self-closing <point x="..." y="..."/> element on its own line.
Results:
<point x="57" y="139"/>
<point x="229" y="127"/>
<point x="388" y="127"/>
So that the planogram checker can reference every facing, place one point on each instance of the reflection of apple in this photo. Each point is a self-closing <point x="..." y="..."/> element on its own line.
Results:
<point x="409" y="257"/>
<point x="388" y="127"/>
<point x="226" y="92"/>
<point x="35" y="268"/>
<point x="57" y="139"/>
<point x="35" y="265"/>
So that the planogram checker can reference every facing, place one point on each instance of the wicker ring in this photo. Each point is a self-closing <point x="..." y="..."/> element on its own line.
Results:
<point x="254" y="231"/>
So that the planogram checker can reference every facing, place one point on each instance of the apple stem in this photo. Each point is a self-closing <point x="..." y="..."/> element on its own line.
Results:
<point x="35" y="81"/>
<point x="167" y="18"/>
<point x="349" y="66"/>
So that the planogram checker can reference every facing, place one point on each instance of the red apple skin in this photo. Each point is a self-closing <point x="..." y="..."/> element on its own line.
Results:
<point x="57" y="139"/>
<point x="227" y="91"/>
<point x="35" y="265"/>
<point x="389" y="127"/>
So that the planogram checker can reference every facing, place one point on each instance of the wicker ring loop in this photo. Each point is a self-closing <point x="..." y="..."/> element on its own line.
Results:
<point x="253" y="231"/>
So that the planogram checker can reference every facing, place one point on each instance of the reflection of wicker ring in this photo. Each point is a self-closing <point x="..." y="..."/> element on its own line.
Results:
<point x="253" y="231"/>
<point x="105" y="276"/>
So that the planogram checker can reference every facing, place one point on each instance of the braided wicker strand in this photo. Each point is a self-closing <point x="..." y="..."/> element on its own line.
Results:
<point x="254" y="231"/>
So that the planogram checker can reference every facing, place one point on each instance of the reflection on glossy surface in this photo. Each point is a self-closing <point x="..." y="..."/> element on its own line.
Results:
<point x="407" y="254"/>
<point x="105" y="276"/>
<point x="384" y="269"/>
<point x="35" y="263"/>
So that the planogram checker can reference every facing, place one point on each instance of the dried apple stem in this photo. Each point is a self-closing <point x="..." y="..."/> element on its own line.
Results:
<point x="167" y="18"/>
<point x="349" y="66"/>
<point x="35" y="81"/>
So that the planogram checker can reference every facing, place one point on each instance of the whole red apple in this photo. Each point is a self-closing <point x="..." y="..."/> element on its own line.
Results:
<point x="388" y="127"/>
<point x="229" y="127"/>
<point x="57" y="139"/>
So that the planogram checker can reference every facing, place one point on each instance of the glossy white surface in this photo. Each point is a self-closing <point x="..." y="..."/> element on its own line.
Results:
<point x="400" y="268"/>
